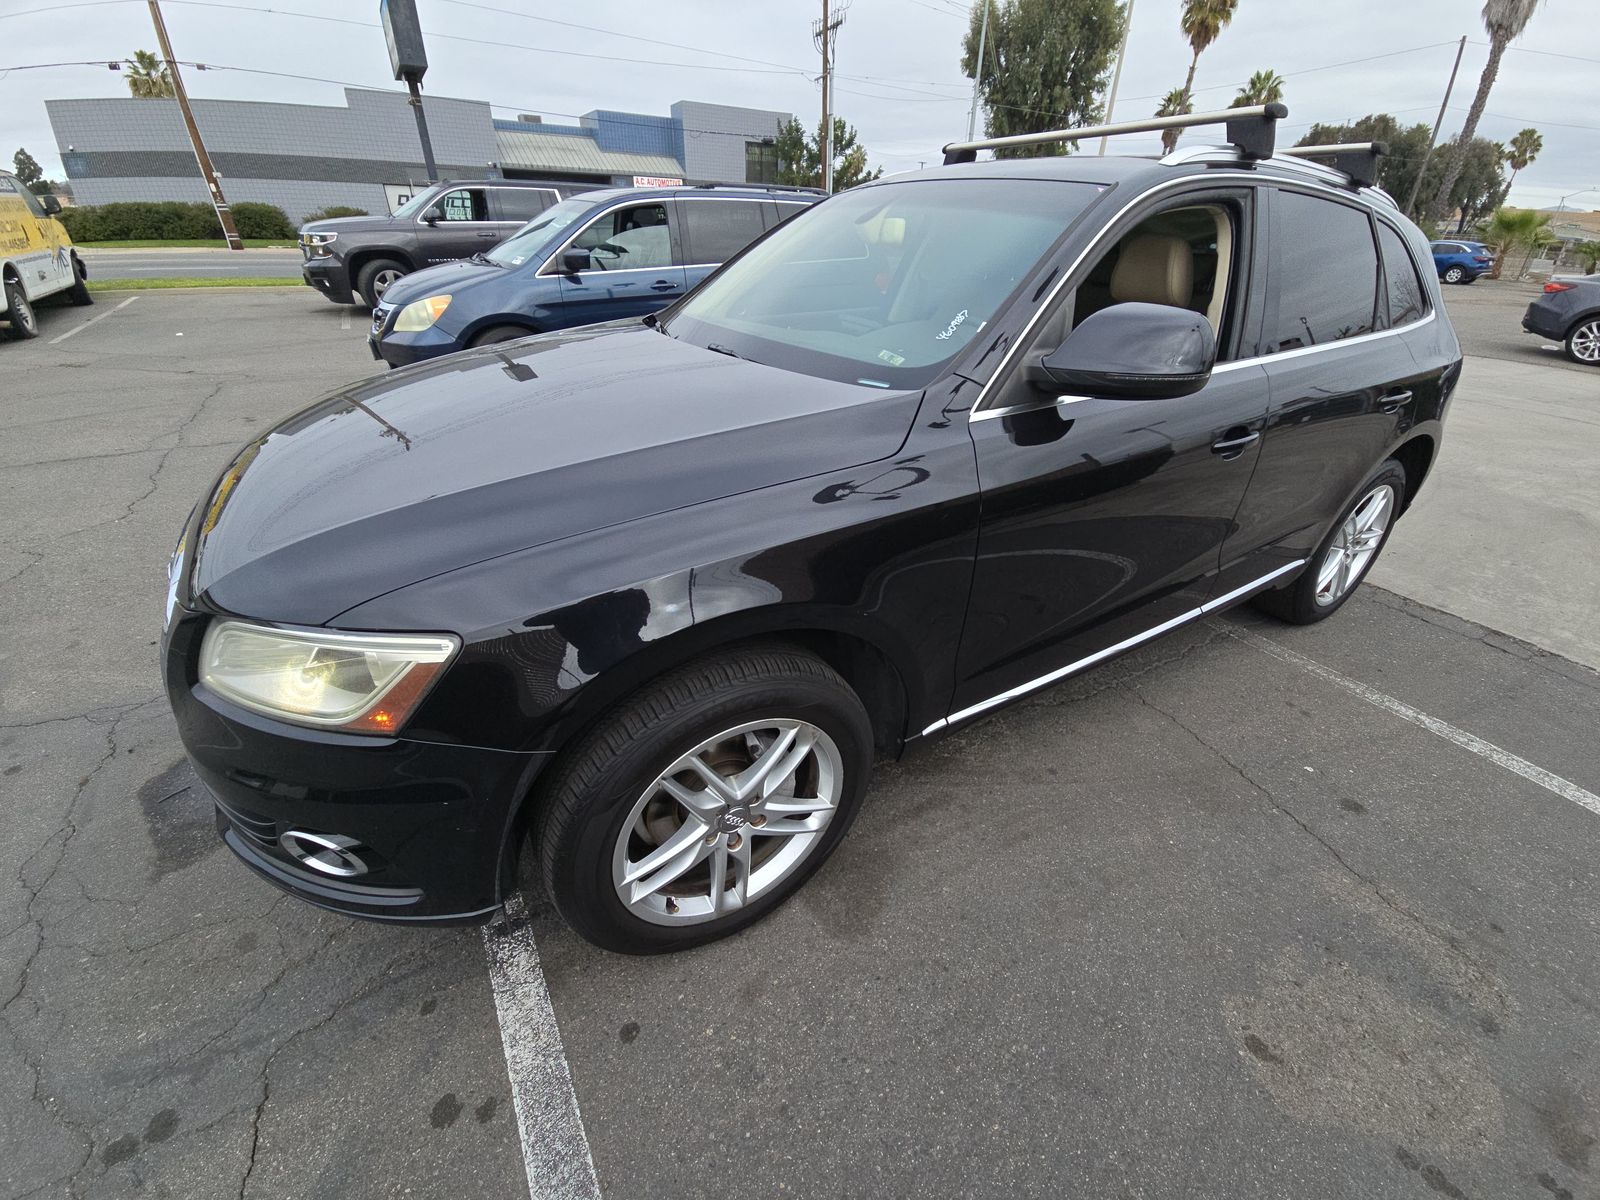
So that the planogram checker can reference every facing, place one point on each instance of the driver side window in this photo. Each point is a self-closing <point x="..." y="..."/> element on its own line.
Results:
<point x="628" y="239"/>
<point x="464" y="204"/>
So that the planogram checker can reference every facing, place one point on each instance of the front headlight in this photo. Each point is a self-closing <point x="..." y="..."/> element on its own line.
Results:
<point x="360" y="683"/>
<point x="420" y="314"/>
<point x="319" y="242"/>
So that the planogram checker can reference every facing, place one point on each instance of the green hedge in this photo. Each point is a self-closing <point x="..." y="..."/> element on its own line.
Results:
<point x="335" y="210"/>
<point x="170" y="219"/>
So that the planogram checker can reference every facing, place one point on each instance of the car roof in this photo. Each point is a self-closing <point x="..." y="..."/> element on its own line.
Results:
<point x="754" y="191"/>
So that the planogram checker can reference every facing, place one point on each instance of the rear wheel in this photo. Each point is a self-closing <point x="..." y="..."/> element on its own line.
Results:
<point x="20" y="313"/>
<point x="1583" y="342"/>
<point x="1455" y="275"/>
<point x="499" y="333"/>
<point x="79" y="292"/>
<point x="1346" y="554"/>
<point x="704" y="801"/>
<point x="376" y="276"/>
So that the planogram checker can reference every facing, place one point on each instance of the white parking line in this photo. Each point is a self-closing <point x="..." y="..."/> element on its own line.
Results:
<point x="97" y="317"/>
<point x="344" y="319"/>
<point x="1564" y="788"/>
<point x="555" y="1150"/>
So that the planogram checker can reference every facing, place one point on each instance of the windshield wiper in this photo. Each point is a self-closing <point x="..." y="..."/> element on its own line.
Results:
<point x="481" y="257"/>
<point x="718" y="349"/>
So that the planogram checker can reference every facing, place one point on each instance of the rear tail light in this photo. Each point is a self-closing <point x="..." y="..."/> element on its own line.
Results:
<point x="1552" y="287"/>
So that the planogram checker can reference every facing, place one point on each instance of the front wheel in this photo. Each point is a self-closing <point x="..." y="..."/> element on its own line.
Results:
<point x="1455" y="275"/>
<point x="1339" y="564"/>
<point x="23" y="322"/>
<point x="500" y="333"/>
<point x="704" y="801"/>
<point x="376" y="277"/>
<point x="1583" y="342"/>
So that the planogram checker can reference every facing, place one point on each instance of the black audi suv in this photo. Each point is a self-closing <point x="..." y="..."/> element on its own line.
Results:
<point x="647" y="599"/>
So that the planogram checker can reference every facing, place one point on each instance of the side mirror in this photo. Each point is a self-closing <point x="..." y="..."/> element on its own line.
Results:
<point x="1131" y="352"/>
<point x="50" y="205"/>
<point x="434" y="215"/>
<point x="575" y="260"/>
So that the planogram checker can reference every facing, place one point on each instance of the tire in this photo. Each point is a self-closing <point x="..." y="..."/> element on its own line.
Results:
<point x="376" y="276"/>
<point x="1454" y="275"/>
<point x="606" y="808"/>
<point x="500" y="333"/>
<point x="1582" y="342"/>
<point x="24" y="324"/>
<point x="1314" y="596"/>
<point x="79" y="292"/>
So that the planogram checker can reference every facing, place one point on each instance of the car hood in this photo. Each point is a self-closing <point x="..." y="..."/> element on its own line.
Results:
<point x="408" y="475"/>
<point x="347" y="224"/>
<point x="446" y="277"/>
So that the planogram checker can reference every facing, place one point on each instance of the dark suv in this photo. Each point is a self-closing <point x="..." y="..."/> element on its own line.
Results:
<point x="347" y="257"/>
<point x="600" y="256"/>
<point x="656" y="593"/>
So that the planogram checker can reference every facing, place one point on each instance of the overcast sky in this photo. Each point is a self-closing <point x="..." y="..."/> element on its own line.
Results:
<point x="899" y="81"/>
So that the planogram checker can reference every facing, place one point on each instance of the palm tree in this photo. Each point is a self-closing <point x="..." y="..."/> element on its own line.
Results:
<point x="1504" y="21"/>
<point x="148" y="77"/>
<point x="1202" y="23"/>
<point x="1265" y="87"/>
<point x="1511" y="229"/>
<point x="1520" y="152"/>
<point x="1173" y="104"/>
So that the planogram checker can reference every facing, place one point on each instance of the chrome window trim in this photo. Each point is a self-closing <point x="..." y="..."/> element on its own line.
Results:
<point x="1315" y="187"/>
<point x="1072" y="668"/>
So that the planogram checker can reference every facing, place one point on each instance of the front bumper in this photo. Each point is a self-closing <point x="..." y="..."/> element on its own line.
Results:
<point x="403" y="349"/>
<point x="434" y="825"/>
<point x="328" y="275"/>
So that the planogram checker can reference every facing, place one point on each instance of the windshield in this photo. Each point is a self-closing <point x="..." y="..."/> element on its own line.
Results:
<point x="416" y="204"/>
<point x="882" y="285"/>
<point x="526" y="242"/>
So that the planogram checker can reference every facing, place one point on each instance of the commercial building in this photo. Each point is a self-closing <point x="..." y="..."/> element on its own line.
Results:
<point x="366" y="153"/>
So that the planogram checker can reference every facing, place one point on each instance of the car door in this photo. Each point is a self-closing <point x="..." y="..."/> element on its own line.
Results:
<point x="1103" y="519"/>
<point x="459" y="225"/>
<point x="636" y="264"/>
<point x="1342" y="383"/>
<point x="715" y="228"/>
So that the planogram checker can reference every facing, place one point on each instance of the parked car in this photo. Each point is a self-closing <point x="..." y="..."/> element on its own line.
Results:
<point x="655" y="593"/>
<point x="600" y="256"/>
<point x="347" y="257"/>
<point x="1461" y="262"/>
<point x="36" y="257"/>
<point x="1568" y="311"/>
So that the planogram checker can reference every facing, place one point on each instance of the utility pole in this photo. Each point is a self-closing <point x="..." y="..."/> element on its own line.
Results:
<point x="224" y="214"/>
<point x="823" y="34"/>
<point x="1116" y="76"/>
<point x="1411" y="200"/>
<point x="977" y="73"/>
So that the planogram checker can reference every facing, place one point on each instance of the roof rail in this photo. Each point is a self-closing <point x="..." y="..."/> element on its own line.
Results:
<point x="1357" y="161"/>
<point x="1250" y="129"/>
<point x="763" y="187"/>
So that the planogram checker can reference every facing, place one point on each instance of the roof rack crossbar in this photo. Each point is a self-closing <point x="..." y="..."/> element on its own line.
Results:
<point x="763" y="187"/>
<point x="1250" y="129"/>
<point x="1357" y="161"/>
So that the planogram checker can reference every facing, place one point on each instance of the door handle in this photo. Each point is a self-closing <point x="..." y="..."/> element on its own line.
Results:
<point x="1393" y="400"/>
<point x="1232" y="447"/>
<point x="491" y="236"/>
<point x="663" y="285"/>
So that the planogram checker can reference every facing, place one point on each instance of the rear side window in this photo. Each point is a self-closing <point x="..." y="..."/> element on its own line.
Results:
<point x="719" y="229"/>
<point x="1404" y="286"/>
<point x="523" y="204"/>
<point x="1325" y="268"/>
<point x="787" y="210"/>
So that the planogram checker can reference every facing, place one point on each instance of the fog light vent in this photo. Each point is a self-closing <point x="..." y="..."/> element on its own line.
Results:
<point x="328" y="853"/>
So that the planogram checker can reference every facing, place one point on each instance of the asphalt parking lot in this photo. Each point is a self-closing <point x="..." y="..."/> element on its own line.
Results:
<point x="1252" y="912"/>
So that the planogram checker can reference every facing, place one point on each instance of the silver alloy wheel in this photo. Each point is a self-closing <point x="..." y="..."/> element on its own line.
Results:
<point x="382" y="281"/>
<point x="1354" y="545"/>
<point x="1585" y="342"/>
<point x="1454" y="275"/>
<point x="22" y="312"/>
<point x="727" y="821"/>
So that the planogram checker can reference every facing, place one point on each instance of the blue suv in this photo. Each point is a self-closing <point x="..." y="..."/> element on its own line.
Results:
<point x="600" y="256"/>
<point x="1461" y="262"/>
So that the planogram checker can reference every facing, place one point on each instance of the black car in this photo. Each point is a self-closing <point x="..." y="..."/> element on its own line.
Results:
<point x="355" y="259"/>
<point x="654" y="594"/>
<point x="1568" y="311"/>
<point x="599" y="256"/>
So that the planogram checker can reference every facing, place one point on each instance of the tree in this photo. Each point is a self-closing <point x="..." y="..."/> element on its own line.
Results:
<point x="1520" y="152"/>
<point x="1589" y="255"/>
<point x="1504" y="21"/>
<point x="1045" y="64"/>
<point x="1202" y="23"/>
<point x="30" y="172"/>
<point x="1512" y="229"/>
<point x="1477" y="189"/>
<point x="148" y="77"/>
<point x="1174" y="104"/>
<point x="800" y="156"/>
<point x="1265" y="87"/>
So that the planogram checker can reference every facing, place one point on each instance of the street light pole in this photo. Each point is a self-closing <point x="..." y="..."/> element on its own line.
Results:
<point x="977" y="72"/>
<point x="1411" y="200"/>
<point x="218" y="202"/>
<point x="1116" y="76"/>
